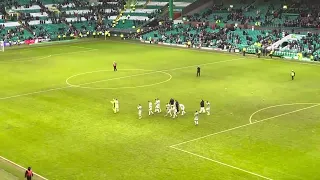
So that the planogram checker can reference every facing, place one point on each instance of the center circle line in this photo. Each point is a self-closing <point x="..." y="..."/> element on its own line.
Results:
<point x="127" y="87"/>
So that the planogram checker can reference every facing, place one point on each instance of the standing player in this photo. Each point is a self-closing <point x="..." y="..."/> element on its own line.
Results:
<point x="157" y="108"/>
<point x="150" y="108"/>
<point x="115" y="66"/>
<point x="202" y="110"/>
<point x="171" y="101"/>
<point x="196" y="118"/>
<point x="293" y="74"/>
<point x="182" y="108"/>
<point x="28" y="174"/>
<point x="139" y="111"/>
<point x="116" y="105"/>
<point x="208" y="108"/>
<point x="198" y="71"/>
<point x="113" y="102"/>
<point x="177" y="107"/>
<point x="173" y="107"/>
<point x="168" y="108"/>
<point x="174" y="111"/>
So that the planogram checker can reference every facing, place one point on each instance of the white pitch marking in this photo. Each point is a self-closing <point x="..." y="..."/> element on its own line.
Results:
<point x="217" y="62"/>
<point x="111" y="78"/>
<point x="221" y="163"/>
<point x="38" y="92"/>
<point x="128" y="87"/>
<point x="157" y="71"/>
<point x="27" y="59"/>
<point x="220" y="132"/>
<point x="57" y="54"/>
<point x="54" y="89"/>
<point x="15" y="60"/>
<point x="238" y="127"/>
<point x="22" y="167"/>
<point x="68" y="79"/>
<point x="31" y="93"/>
<point x="283" y="114"/>
<point x="82" y="47"/>
<point x="279" y="105"/>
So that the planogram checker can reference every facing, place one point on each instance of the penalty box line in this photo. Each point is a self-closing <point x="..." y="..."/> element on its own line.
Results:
<point x="21" y="167"/>
<point x="231" y="129"/>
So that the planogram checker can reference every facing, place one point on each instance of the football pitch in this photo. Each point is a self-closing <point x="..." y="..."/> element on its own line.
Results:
<point x="56" y="115"/>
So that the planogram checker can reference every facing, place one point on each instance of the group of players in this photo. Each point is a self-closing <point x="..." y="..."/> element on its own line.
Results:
<point x="173" y="108"/>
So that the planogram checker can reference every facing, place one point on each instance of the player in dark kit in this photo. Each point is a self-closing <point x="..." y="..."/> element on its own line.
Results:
<point x="198" y="71"/>
<point x="177" y="106"/>
<point x="293" y="74"/>
<point x="171" y="102"/>
<point x="202" y="110"/>
<point x="115" y="66"/>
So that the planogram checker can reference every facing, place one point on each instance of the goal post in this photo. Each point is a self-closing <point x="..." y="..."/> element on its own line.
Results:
<point x="2" y="46"/>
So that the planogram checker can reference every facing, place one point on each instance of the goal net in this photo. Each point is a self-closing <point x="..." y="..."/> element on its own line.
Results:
<point x="2" y="46"/>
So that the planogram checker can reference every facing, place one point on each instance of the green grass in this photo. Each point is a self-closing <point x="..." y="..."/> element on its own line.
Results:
<point x="72" y="133"/>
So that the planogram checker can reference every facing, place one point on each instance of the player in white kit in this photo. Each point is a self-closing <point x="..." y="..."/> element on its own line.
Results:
<point x="208" y="108"/>
<point x="174" y="112"/>
<point x="150" y="108"/>
<point x="196" y="118"/>
<point x="168" y="108"/>
<point x="116" y="105"/>
<point x="157" y="108"/>
<point x="182" y="109"/>
<point x="139" y="111"/>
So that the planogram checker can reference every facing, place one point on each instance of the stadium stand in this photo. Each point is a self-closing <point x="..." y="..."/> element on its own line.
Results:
<point x="226" y="25"/>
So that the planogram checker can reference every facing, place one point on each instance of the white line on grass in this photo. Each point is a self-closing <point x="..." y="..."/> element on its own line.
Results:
<point x="126" y="87"/>
<point x="238" y="127"/>
<point x="16" y="60"/>
<point x="217" y="62"/>
<point x="65" y="87"/>
<point x="55" y="89"/>
<point x="43" y="57"/>
<point x="141" y="74"/>
<point x="15" y="164"/>
<point x="57" y="54"/>
<point x="283" y="114"/>
<point x="32" y="93"/>
<point x="82" y="47"/>
<point x="279" y="105"/>
<point x="122" y="77"/>
<point x="223" y="164"/>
